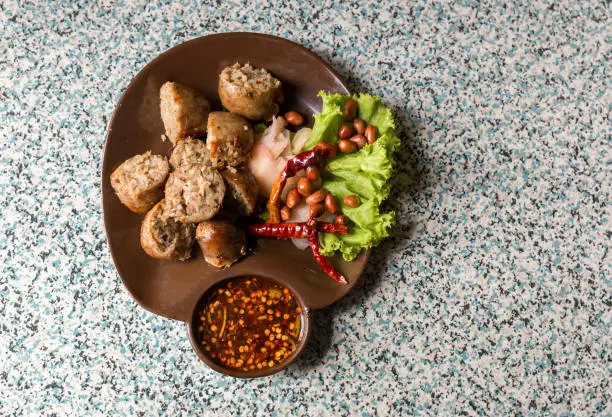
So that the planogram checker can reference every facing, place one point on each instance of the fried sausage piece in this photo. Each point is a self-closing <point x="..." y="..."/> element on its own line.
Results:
<point x="230" y="139"/>
<point x="242" y="190"/>
<point x="248" y="91"/>
<point x="166" y="238"/>
<point x="221" y="242"/>
<point x="139" y="181"/>
<point x="184" y="111"/>
<point x="194" y="193"/>
<point x="189" y="151"/>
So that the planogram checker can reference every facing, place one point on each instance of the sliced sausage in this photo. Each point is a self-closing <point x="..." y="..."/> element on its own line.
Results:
<point x="166" y="238"/>
<point x="184" y="111"/>
<point x="221" y="242"/>
<point x="230" y="138"/>
<point x="189" y="151"/>
<point x="139" y="181"/>
<point x="248" y="91"/>
<point x="242" y="190"/>
<point x="194" y="193"/>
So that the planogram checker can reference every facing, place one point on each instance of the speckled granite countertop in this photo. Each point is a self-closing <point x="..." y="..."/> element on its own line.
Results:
<point x="492" y="298"/>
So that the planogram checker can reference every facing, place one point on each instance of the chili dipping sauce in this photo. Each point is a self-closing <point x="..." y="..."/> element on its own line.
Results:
<point x="249" y="323"/>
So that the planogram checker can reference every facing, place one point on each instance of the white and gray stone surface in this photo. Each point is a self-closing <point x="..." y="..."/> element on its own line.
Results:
<point x="492" y="298"/>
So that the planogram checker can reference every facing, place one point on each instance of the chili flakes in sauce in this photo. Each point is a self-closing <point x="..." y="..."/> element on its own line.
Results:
<point x="249" y="323"/>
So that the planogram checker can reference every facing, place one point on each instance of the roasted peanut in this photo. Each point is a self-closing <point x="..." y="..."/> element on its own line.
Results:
<point x="359" y="140"/>
<point x="341" y="219"/>
<point x="312" y="173"/>
<point x="359" y="126"/>
<point x="370" y="134"/>
<point x="316" y="210"/>
<point x="331" y="204"/>
<point x="317" y="196"/>
<point x="349" y="110"/>
<point x="345" y="131"/>
<point x="285" y="213"/>
<point x="304" y="187"/>
<point x="294" y="118"/>
<point x="330" y="147"/>
<point x="351" y="201"/>
<point x="293" y="198"/>
<point x="346" y="146"/>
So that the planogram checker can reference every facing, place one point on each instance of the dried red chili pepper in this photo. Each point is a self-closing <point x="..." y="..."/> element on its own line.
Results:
<point x="295" y="230"/>
<point x="329" y="269"/>
<point x="298" y="162"/>
<point x="285" y="230"/>
<point x="306" y="230"/>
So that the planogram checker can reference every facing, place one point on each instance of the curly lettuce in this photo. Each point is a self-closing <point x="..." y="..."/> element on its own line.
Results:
<point x="326" y="123"/>
<point x="365" y="173"/>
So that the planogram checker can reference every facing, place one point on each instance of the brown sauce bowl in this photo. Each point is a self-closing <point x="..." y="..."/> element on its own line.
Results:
<point x="194" y="334"/>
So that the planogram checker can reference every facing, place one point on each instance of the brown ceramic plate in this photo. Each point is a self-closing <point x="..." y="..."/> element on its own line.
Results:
<point x="172" y="289"/>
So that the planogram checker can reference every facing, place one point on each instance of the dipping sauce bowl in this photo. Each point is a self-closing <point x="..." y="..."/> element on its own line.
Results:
<point x="249" y="326"/>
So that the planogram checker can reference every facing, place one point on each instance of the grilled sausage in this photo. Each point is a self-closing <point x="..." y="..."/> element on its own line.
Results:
<point x="184" y="111"/>
<point x="221" y="242"/>
<point x="166" y="238"/>
<point x="242" y="190"/>
<point x="230" y="138"/>
<point x="139" y="181"/>
<point x="249" y="92"/>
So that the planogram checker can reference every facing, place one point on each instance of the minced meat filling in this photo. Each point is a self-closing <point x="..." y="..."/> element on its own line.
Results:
<point x="143" y="171"/>
<point x="172" y="234"/>
<point x="230" y="138"/>
<point x="190" y="151"/>
<point x="197" y="190"/>
<point x="229" y="152"/>
<point x="194" y="193"/>
<point x="250" y="78"/>
<point x="164" y="232"/>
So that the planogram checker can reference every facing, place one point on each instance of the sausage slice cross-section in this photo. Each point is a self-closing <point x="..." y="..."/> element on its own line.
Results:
<point x="139" y="181"/>
<point x="250" y="92"/>
<point x="194" y="193"/>
<point x="166" y="238"/>
<point x="189" y="151"/>
<point x="230" y="138"/>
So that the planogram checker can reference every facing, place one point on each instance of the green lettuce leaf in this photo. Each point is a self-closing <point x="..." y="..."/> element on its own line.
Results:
<point x="365" y="173"/>
<point x="373" y="112"/>
<point x="327" y="123"/>
<point x="358" y="238"/>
